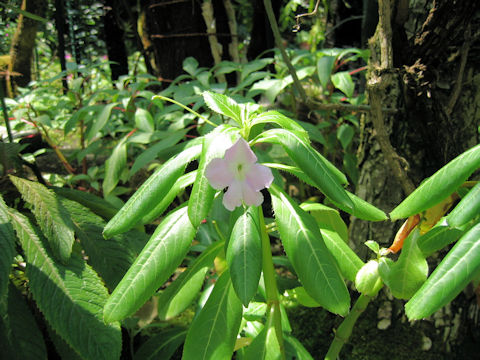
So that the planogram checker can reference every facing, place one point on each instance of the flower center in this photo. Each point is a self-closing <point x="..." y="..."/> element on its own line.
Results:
<point x="241" y="169"/>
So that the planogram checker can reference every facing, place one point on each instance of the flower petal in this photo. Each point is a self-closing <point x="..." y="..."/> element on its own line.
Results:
<point x="259" y="177"/>
<point x="233" y="197"/>
<point x="218" y="174"/>
<point x="250" y="196"/>
<point x="240" y="153"/>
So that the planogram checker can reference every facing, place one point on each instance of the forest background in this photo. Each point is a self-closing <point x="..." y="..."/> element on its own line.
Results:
<point x="388" y="92"/>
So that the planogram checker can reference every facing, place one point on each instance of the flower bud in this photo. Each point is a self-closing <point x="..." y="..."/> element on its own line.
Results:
<point x="368" y="280"/>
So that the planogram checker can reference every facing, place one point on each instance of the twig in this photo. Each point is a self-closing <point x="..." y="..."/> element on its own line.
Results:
<point x="278" y="41"/>
<point x="297" y="18"/>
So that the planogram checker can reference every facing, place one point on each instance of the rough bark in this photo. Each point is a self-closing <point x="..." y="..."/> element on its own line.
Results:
<point x="23" y="43"/>
<point x="434" y="82"/>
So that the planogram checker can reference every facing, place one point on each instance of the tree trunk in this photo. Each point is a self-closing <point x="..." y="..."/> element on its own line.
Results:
<point x="23" y="43"/>
<point x="114" y="41"/>
<point x="431" y="76"/>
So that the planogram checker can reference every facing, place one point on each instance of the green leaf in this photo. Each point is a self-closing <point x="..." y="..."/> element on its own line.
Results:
<point x="96" y="204"/>
<point x="110" y="258"/>
<point x="335" y="234"/>
<point x="440" y="185"/>
<point x="361" y="208"/>
<point x="460" y="266"/>
<point x="343" y="82"/>
<point x="147" y="196"/>
<point x="161" y="346"/>
<point x="190" y="65"/>
<point x="213" y="332"/>
<point x="294" y="349"/>
<point x="467" y="209"/>
<point x="144" y="120"/>
<point x="405" y="276"/>
<point x="201" y="198"/>
<point x="324" y="69"/>
<point x="182" y="182"/>
<point x="244" y="255"/>
<point x="328" y="217"/>
<point x="52" y="217"/>
<point x="180" y="293"/>
<point x="308" y="254"/>
<point x="325" y="175"/>
<point x="300" y="295"/>
<point x="158" y="260"/>
<point x="7" y="247"/>
<point x="438" y="237"/>
<point x="266" y="345"/>
<point x="100" y="122"/>
<point x="70" y="297"/>
<point x="114" y="167"/>
<point x="223" y="105"/>
<point x="345" y="135"/>
<point x="153" y="150"/>
<point x="281" y="120"/>
<point x="22" y="336"/>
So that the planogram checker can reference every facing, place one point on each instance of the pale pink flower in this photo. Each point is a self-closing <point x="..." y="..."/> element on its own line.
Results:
<point x="239" y="172"/>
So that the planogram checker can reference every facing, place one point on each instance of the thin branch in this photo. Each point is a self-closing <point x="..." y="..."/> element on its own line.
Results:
<point x="279" y="43"/>
<point x="297" y="18"/>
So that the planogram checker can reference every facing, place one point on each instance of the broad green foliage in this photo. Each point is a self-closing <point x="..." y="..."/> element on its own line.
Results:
<point x="212" y="334"/>
<point x="7" y="247"/>
<point x="310" y="257"/>
<point x="457" y="269"/>
<point x="20" y="336"/>
<point x="79" y="296"/>
<point x="51" y="215"/>
<point x="244" y="255"/>
<point x="156" y="187"/>
<point x="158" y="260"/>
<point x="161" y="246"/>
<point x="440" y="185"/>
<point x="408" y="273"/>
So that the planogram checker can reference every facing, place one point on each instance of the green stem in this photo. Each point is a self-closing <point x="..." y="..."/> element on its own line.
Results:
<point x="279" y="43"/>
<point x="271" y="289"/>
<point x="186" y="108"/>
<point x="345" y="329"/>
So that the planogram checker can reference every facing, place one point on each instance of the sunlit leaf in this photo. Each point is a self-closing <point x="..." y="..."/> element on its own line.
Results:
<point x="244" y="255"/>
<point x="201" y="197"/>
<point x="179" y="294"/>
<point x="158" y="260"/>
<point x="467" y="209"/>
<point x="405" y="276"/>
<point x="114" y="166"/>
<point x="304" y="245"/>
<point x="147" y="196"/>
<point x="223" y="105"/>
<point x="213" y="332"/>
<point x="440" y="185"/>
<point x="71" y="297"/>
<point x="460" y="266"/>
<point x="53" y="218"/>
